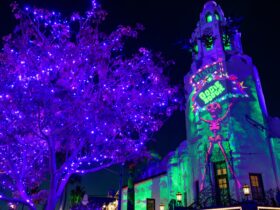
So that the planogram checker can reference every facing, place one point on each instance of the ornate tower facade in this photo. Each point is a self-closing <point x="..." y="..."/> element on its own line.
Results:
<point x="227" y="147"/>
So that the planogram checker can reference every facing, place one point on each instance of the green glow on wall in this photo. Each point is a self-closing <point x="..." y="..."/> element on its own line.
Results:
<point x="156" y="188"/>
<point x="124" y="199"/>
<point x="212" y="92"/>
<point x="143" y="191"/>
<point x="256" y="109"/>
<point x="179" y="174"/>
<point x="175" y="176"/>
<point x="185" y="176"/>
<point x="190" y="115"/>
<point x="231" y="130"/>
<point x="164" y="193"/>
<point x="275" y="142"/>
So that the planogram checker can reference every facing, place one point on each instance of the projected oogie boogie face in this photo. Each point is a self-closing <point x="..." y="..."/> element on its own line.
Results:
<point x="213" y="90"/>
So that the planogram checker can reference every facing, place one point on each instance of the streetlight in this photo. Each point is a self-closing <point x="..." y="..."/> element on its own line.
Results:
<point x="179" y="199"/>
<point x="85" y="200"/>
<point x="12" y="206"/>
<point x="161" y="207"/>
<point x="246" y="190"/>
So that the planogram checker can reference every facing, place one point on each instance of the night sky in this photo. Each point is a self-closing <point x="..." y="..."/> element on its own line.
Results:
<point x="168" y="25"/>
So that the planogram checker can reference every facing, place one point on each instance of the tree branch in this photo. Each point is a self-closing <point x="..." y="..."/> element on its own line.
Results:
<point x="14" y="200"/>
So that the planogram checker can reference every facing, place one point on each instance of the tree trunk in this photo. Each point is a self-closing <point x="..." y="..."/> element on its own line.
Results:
<point x="23" y="202"/>
<point x="51" y="203"/>
<point x="52" y="197"/>
<point x="130" y="189"/>
<point x="26" y="199"/>
<point x="120" y="188"/>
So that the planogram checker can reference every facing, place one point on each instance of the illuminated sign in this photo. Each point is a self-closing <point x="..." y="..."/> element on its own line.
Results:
<point x="217" y="90"/>
<point x="200" y="75"/>
<point x="210" y="92"/>
<point x="211" y="84"/>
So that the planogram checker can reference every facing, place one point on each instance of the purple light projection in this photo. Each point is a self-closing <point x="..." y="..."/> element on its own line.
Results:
<point x="71" y="103"/>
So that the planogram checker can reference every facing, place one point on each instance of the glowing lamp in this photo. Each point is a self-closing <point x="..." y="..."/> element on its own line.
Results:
<point x="85" y="200"/>
<point x="12" y="206"/>
<point x="104" y="207"/>
<point x="179" y="197"/>
<point x="161" y="207"/>
<point x="246" y="190"/>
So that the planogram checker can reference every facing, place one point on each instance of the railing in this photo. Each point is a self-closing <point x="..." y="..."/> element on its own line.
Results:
<point x="211" y="199"/>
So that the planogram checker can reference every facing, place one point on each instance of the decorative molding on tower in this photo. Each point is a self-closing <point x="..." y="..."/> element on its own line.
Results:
<point x="215" y="36"/>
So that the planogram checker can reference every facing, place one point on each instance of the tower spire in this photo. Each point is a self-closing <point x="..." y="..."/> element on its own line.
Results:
<point x="214" y="36"/>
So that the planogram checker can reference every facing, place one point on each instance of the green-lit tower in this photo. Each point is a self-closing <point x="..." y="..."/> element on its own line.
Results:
<point x="225" y="108"/>
<point x="228" y="145"/>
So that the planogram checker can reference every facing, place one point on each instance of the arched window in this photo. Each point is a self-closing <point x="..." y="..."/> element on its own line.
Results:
<point x="208" y="41"/>
<point x="226" y="42"/>
<point x="217" y="16"/>
<point x="195" y="48"/>
<point x="209" y="18"/>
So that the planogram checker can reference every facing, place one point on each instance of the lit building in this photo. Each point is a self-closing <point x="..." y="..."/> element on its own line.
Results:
<point x="227" y="146"/>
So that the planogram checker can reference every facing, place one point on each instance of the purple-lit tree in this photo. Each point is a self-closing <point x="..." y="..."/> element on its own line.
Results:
<point x="71" y="103"/>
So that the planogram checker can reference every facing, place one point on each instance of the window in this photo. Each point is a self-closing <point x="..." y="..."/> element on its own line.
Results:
<point x="209" y="18"/>
<point x="217" y="16"/>
<point x="226" y="42"/>
<point x="151" y="204"/>
<point x="256" y="186"/>
<point x="255" y="181"/>
<point x="208" y="41"/>
<point x="195" y="48"/>
<point x="221" y="175"/>
<point x="222" y="183"/>
<point x="221" y="171"/>
<point x="222" y="186"/>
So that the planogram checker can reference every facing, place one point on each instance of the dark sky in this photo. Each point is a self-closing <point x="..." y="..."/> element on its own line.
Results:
<point x="169" y="22"/>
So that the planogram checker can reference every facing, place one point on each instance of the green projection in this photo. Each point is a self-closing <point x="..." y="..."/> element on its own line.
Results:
<point x="164" y="192"/>
<point x="275" y="142"/>
<point x="174" y="175"/>
<point x="143" y="190"/>
<point x="124" y="199"/>
<point x="156" y="188"/>
<point x="214" y="96"/>
<point x="178" y="173"/>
